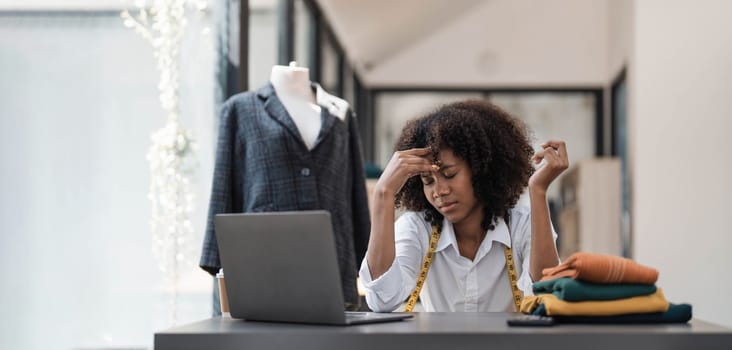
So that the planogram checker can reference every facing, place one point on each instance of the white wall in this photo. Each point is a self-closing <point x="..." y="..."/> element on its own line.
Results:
<point x="682" y="118"/>
<point x="620" y="35"/>
<point x="507" y="43"/>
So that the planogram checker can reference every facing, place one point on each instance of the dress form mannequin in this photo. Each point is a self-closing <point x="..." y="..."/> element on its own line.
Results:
<point x="313" y="161"/>
<point x="292" y="85"/>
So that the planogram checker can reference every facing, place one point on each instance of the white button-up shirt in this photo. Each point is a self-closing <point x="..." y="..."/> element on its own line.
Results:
<point x="454" y="282"/>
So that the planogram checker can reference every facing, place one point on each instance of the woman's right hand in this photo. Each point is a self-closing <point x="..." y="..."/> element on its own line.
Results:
<point x="402" y="166"/>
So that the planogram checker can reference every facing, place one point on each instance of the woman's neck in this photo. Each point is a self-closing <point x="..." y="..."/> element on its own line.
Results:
<point x="472" y="235"/>
<point x="469" y="235"/>
<point x="470" y="229"/>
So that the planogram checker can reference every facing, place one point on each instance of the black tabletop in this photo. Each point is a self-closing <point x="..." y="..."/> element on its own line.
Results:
<point x="442" y="331"/>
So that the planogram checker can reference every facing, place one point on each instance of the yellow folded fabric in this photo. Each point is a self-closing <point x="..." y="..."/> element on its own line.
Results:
<point x="554" y="306"/>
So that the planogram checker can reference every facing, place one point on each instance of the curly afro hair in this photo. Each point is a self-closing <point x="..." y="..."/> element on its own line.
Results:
<point x="495" y="145"/>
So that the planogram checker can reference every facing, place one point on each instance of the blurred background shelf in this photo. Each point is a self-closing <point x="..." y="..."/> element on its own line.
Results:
<point x="589" y="219"/>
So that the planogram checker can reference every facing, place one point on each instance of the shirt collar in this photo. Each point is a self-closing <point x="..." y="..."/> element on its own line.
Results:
<point x="499" y="234"/>
<point x="335" y="105"/>
<point x="447" y="236"/>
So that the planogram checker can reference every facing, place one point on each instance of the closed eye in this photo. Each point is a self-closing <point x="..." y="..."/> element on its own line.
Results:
<point x="426" y="179"/>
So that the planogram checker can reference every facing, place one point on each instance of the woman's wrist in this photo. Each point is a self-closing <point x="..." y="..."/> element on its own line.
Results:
<point x="383" y="193"/>
<point x="537" y="193"/>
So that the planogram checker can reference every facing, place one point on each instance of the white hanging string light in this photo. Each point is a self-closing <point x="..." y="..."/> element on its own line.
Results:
<point x="172" y="153"/>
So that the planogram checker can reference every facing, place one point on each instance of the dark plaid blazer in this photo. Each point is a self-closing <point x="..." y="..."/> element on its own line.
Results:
<point x="262" y="164"/>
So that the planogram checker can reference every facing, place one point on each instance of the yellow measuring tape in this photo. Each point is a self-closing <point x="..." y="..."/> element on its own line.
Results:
<point x="510" y="266"/>
<point x="513" y="277"/>
<point x="425" y="268"/>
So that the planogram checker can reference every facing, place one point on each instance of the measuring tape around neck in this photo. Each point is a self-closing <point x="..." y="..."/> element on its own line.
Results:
<point x="510" y="266"/>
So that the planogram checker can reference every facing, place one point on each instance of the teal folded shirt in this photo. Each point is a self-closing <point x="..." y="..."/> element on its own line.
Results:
<point x="569" y="289"/>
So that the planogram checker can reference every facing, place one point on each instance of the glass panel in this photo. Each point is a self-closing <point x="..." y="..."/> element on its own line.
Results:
<point x="329" y="64"/>
<point x="262" y="42"/>
<point x="80" y="101"/>
<point x="566" y="116"/>
<point x="349" y="92"/>
<point x="394" y="109"/>
<point x="303" y="26"/>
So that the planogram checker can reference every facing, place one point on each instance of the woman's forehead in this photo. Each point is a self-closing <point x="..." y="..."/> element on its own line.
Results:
<point x="446" y="156"/>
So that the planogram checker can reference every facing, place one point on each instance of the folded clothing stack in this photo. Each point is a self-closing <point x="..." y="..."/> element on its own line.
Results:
<point x="597" y="288"/>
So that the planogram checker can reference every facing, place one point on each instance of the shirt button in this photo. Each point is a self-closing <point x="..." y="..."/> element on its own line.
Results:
<point x="305" y="172"/>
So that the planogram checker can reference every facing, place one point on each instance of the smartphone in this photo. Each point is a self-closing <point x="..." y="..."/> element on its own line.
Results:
<point x="530" y="321"/>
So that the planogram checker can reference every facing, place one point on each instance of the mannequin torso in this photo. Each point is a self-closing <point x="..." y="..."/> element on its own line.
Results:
<point x="292" y="85"/>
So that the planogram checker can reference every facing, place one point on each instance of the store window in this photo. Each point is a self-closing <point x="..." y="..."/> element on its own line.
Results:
<point x="568" y="116"/>
<point x="80" y="101"/>
<point x="348" y="83"/>
<point x="329" y="63"/>
<point x="392" y="110"/>
<point x="303" y="27"/>
<point x="262" y="41"/>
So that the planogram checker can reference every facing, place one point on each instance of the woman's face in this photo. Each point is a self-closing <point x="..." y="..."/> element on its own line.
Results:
<point x="450" y="189"/>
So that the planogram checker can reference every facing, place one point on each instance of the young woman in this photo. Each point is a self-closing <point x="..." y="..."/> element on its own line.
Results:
<point x="458" y="173"/>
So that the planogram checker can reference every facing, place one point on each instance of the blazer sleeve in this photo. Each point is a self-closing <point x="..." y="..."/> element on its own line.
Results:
<point x="223" y="192"/>
<point x="360" y="206"/>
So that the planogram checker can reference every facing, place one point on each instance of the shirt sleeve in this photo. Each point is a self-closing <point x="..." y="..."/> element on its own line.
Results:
<point x="521" y="228"/>
<point x="388" y="291"/>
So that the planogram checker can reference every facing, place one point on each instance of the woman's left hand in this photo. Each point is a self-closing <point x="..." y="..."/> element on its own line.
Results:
<point x="554" y="154"/>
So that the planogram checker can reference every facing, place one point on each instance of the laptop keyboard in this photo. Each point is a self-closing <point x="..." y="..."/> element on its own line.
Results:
<point x="360" y="317"/>
<point x="357" y="315"/>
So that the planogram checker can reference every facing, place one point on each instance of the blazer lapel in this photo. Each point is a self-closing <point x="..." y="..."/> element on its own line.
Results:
<point x="326" y="101"/>
<point x="327" y="121"/>
<point x="277" y="111"/>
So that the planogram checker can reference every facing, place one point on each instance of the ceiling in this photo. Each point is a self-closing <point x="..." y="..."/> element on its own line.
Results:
<point x="460" y="43"/>
<point x="374" y="31"/>
<point x="500" y="43"/>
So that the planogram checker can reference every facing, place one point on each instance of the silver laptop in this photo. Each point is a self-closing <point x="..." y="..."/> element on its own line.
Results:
<point x="282" y="267"/>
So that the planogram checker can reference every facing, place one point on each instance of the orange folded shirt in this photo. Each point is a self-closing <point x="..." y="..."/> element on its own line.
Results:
<point x="600" y="268"/>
